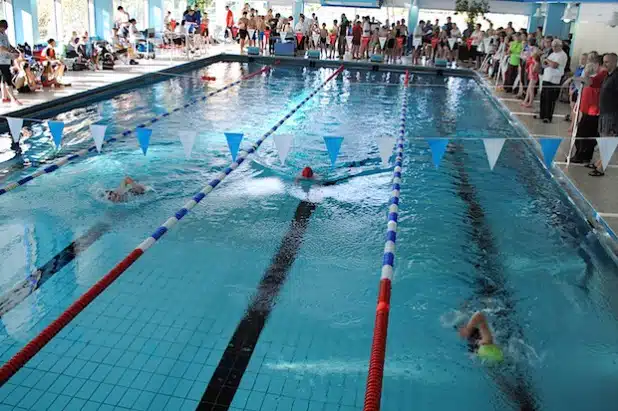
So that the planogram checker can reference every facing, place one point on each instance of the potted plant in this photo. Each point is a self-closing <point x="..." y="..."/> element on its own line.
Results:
<point x="472" y="9"/>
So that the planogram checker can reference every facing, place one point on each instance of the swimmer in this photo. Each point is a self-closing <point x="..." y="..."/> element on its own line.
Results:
<point x="306" y="174"/>
<point x="480" y="339"/>
<point x="127" y="186"/>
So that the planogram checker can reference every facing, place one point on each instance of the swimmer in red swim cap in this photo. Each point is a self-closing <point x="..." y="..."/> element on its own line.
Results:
<point x="307" y="173"/>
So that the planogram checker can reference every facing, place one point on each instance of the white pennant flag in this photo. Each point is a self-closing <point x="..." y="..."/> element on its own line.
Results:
<point x="316" y="38"/>
<point x="251" y="33"/>
<point x="15" y="125"/>
<point x="607" y="146"/>
<point x="493" y="148"/>
<point x="187" y="139"/>
<point x="386" y="144"/>
<point x="416" y="41"/>
<point x="451" y="43"/>
<point x="349" y="40"/>
<point x="283" y="144"/>
<point x="98" y="135"/>
<point x="382" y="42"/>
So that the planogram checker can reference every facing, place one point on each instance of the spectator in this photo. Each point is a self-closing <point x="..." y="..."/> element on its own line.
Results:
<point x="515" y="49"/>
<point x="55" y="67"/>
<point x="554" y="66"/>
<point x="7" y="53"/>
<point x="448" y="26"/>
<point x="477" y="38"/>
<point x="592" y="77"/>
<point x="608" y="106"/>
<point x="229" y="23"/>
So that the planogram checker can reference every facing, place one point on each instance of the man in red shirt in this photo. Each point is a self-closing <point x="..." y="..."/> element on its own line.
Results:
<point x="229" y="22"/>
<point x="588" y="125"/>
<point x="357" y="32"/>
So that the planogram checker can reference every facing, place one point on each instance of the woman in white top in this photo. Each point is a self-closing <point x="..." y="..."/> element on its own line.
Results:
<point x="455" y="34"/>
<point x="477" y="38"/>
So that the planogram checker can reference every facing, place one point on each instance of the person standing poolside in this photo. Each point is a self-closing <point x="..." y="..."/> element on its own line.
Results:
<point x="554" y="66"/>
<point x="229" y="23"/>
<point x="242" y="30"/>
<point x="343" y="31"/>
<point x="332" y="38"/>
<point x="480" y="339"/>
<point x="7" y="53"/>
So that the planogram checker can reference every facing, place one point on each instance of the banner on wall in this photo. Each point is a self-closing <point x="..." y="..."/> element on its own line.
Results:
<point x="98" y="135"/>
<point x="143" y="137"/>
<point x="15" y="125"/>
<point x="333" y="145"/>
<point x="233" y="143"/>
<point x="283" y="144"/>
<point x="56" y="128"/>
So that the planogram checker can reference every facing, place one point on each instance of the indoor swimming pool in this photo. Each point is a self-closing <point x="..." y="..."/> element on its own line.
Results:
<point x="295" y="270"/>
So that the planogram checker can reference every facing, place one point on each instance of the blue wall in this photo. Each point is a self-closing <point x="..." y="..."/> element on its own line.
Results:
<point x="155" y="14"/>
<point x="554" y="26"/>
<point x="25" y="21"/>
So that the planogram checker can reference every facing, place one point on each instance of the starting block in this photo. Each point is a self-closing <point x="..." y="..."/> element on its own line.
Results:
<point x="313" y="54"/>
<point x="377" y="58"/>
<point x="441" y="63"/>
<point x="253" y="51"/>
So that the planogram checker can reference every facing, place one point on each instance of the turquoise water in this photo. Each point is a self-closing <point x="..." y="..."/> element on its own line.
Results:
<point x="504" y="241"/>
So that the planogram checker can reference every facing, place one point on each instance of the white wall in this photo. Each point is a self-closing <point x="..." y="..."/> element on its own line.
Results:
<point x="591" y="30"/>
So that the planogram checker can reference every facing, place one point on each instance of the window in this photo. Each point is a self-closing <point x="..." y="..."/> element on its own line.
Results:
<point x="137" y="10"/>
<point x="177" y="7"/>
<point x="46" y="19"/>
<point x="74" y="18"/>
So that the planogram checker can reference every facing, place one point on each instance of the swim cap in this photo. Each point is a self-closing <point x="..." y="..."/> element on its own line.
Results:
<point x="307" y="172"/>
<point x="491" y="353"/>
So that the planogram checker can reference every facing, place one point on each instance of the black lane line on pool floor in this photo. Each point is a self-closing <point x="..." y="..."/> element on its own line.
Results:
<point x="233" y="364"/>
<point x="35" y="280"/>
<point x="493" y="284"/>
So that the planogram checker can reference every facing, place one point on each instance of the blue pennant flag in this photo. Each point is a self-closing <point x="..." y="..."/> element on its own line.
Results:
<point x="438" y="147"/>
<point x="56" y="128"/>
<point x="549" y="146"/>
<point x="143" y="137"/>
<point x="233" y="142"/>
<point x="333" y="145"/>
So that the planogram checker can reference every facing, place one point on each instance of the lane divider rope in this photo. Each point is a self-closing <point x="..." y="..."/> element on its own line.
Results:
<point x="373" y="392"/>
<point x="82" y="153"/>
<point x="37" y="343"/>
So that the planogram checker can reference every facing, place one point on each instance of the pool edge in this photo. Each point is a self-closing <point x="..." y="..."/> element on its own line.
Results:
<point x="606" y="235"/>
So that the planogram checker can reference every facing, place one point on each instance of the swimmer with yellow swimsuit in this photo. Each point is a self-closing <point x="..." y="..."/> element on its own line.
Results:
<point x="481" y="340"/>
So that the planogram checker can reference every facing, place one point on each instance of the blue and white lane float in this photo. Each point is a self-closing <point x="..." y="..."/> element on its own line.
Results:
<point x="84" y="152"/>
<point x="373" y="391"/>
<point x="37" y="343"/>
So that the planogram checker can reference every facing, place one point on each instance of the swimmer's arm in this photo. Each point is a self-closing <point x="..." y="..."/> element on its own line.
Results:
<point x="478" y="321"/>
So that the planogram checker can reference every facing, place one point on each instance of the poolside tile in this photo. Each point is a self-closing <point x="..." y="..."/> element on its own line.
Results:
<point x="127" y="377"/>
<point x="87" y="389"/>
<point x="254" y="402"/>
<point x="76" y="404"/>
<point x="74" y="386"/>
<point x="15" y="394"/>
<point x="155" y="383"/>
<point x="129" y="398"/>
<point x="101" y="372"/>
<point x="141" y="380"/>
<point x="189" y="405"/>
<point x="300" y="405"/>
<point x="28" y="400"/>
<point x="285" y="403"/>
<point x="60" y="403"/>
<point x="182" y="388"/>
<point x="174" y="403"/>
<point x="143" y="401"/>
<point x="47" y="381"/>
<point x="101" y="392"/>
<point x="240" y="399"/>
<point x="159" y="402"/>
<point x="196" y="391"/>
<point x="44" y="401"/>
<point x="115" y="395"/>
<point x="33" y="379"/>
<point x="270" y="402"/>
<point x="169" y="385"/>
<point x="60" y="384"/>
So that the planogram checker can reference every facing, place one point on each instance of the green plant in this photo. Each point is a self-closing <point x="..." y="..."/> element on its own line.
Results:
<point x="202" y="5"/>
<point x="472" y="9"/>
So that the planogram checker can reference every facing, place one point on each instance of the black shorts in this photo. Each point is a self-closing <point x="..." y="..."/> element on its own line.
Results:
<point x="243" y="34"/>
<point x="6" y="76"/>
<point x="474" y="52"/>
<point x="323" y="40"/>
<point x="574" y="96"/>
<point x="390" y="43"/>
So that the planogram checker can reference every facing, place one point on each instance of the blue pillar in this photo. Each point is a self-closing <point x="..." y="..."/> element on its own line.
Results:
<point x="103" y="18"/>
<point x="24" y="22"/>
<point x="35" y="22"/>
<point x="155" y="14"/>
<point x="553" y="20"/>
<point x="299" y="8"/>
<point x="412" y="18"/>
<point x="532" y="21"/>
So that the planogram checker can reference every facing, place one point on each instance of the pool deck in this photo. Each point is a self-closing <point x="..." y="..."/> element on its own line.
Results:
<point x="599" y="191"/>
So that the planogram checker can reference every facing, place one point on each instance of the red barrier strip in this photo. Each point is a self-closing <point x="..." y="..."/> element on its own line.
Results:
<point x="373" y="391"/>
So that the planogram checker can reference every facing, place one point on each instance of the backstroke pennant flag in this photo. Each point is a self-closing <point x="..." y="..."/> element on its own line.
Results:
<point x="251" y="33"/>
<point x="316" y="38"/>
<point x="187" y="139"/>
<point x="15" y="125"/>
<point x="233" y="143"/>
<point x="386" y="144"/>
<point x="382" y="42"/>
<point x="56" y="128"/>
<point x="549" y="147"/>
<point x="438" y="147"/>
<point x="493" y="148"/>
<point x="607" y="146"/>
<point x="451" y="43"/>
<point x="143" y="137"/>
<point x="349" y="40"/>
<point x="283" y="143"/>
<point x="299" y="37"/>
<point x="98" y="135"/>
<point x="333" y="145"/>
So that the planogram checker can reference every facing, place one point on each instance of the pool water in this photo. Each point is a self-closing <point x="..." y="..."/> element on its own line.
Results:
<point x="505" y="241"/>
